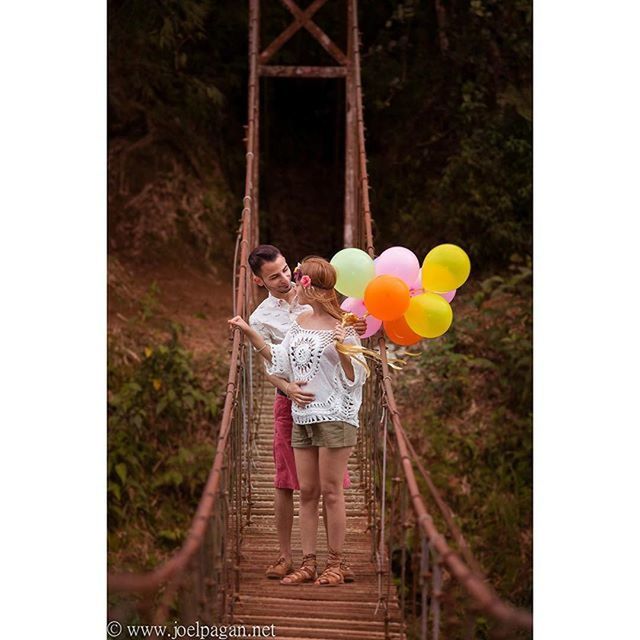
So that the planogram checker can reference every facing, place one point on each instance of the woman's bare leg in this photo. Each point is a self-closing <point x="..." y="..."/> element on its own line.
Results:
<point x="309" y="480"/>
<point x="332" y="465"/>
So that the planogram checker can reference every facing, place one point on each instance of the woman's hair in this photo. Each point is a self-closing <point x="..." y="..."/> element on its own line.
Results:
<point x="323" y="280"/>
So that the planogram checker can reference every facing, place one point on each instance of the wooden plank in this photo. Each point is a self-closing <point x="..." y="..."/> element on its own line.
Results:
<point x="314" y="622"/>
<point x="270" y="601"/>
<point x="332" y="634"/>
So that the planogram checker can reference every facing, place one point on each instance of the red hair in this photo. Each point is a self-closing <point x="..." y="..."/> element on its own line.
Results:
<point x="323" y="281"/>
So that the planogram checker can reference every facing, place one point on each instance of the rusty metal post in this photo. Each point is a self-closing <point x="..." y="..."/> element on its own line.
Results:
<point x="363" y="176"/>
<point x="403" y="541"/>
<point x="255" y="213"/>
<point x="436" y="594"/>
<point x="238" y="477"/>
<point x="350" y="138"/>
<point x="424" y="585"/>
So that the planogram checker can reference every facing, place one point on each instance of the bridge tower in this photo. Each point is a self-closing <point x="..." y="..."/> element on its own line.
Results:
<point x="343" y="68"/>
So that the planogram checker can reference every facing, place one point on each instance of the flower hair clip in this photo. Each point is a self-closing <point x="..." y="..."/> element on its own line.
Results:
<point x="300" y="278"/>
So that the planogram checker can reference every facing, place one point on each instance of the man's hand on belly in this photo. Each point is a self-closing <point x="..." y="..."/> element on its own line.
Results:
<point x="299" y="396"/>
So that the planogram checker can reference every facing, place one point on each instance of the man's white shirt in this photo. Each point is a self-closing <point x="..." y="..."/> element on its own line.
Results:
<point x="273" y="318"/>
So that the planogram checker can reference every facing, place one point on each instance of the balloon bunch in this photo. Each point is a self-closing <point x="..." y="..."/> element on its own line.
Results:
<point x="411" y="302"/>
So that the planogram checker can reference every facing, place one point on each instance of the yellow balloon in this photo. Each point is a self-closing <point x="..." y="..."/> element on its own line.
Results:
<point x="429" y="315"/>
<point x="445" y="268"/>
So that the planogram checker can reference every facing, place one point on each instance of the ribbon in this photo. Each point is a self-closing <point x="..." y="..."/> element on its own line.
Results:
<point x="359" y="353"/>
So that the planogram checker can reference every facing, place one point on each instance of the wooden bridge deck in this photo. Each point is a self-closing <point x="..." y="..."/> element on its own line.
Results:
<point x="308" y="611"/>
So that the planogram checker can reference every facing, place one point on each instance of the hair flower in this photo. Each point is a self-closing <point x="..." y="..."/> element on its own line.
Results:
<point x="305" y="281"/>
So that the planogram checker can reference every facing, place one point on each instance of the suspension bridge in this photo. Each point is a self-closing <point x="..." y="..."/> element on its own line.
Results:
<point x="410" y="574"/>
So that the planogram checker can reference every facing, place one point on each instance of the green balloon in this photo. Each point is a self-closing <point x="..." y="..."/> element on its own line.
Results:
<point x="355" y="270"/>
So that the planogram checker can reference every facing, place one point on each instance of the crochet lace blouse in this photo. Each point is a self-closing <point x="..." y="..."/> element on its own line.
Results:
<point x="310" y="355"/>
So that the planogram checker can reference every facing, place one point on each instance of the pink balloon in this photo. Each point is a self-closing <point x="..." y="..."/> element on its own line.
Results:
<point x="416" y="287"/>
<point x="449" y="295"/>
<point x="353" y="305"/>
<point x="399" y="262"/>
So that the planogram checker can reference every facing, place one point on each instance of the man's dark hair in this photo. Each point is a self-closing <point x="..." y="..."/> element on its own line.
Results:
<point x="261" y="254"/>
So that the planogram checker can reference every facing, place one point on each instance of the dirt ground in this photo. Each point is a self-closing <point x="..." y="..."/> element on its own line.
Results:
<point x="153" y="295"/>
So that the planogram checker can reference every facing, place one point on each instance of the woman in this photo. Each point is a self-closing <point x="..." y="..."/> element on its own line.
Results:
<point x="315" y="350"/>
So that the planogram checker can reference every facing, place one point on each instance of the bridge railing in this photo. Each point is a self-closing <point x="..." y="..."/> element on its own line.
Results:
<point x="406" y="544"/>
<point x="200" y="580"/>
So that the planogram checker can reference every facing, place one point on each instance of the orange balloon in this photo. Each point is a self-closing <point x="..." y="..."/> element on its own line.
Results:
<point x="387" y="297"/>
<point x="400" y="332"/>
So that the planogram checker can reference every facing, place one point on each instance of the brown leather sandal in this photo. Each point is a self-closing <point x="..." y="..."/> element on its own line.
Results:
<point x="333" y="575"/>
<point x="307" y="572"/>
<point x="279" y="569"/>
<point x="347" y="571"/>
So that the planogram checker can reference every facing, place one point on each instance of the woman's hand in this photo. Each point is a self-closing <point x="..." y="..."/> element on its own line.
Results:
<point x="258" y="342"/>
<point x="360" y="326"/>
<point x="237" y="321"/>
<point x="340" y="332"/>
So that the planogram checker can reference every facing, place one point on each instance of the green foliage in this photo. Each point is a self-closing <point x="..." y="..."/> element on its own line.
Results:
<point x="449" y="126"/>
<point x="149" y="302"/>
<point x="160" y="448"/>
<point x="151" y="70"/>
<point x="468" y="402"/>
<point x="168" y="119"/>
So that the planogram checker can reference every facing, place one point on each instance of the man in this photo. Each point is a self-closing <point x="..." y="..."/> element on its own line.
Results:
<point x="272" y="319"/>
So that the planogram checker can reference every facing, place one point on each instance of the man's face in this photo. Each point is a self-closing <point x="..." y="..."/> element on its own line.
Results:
<point x="275" y="276"/>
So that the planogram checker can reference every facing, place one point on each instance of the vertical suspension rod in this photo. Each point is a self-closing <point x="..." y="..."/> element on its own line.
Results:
<point x="362" y="157"/>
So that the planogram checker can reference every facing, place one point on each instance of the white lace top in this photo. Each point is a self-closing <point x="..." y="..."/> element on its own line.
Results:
<point x="310" y="355"/>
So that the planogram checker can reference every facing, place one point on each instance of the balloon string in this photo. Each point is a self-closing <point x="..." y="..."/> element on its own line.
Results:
<point x="360" y="353"/>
